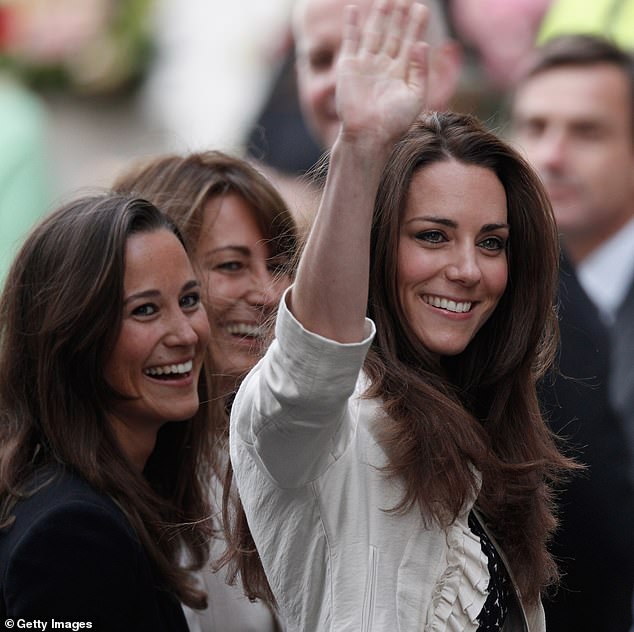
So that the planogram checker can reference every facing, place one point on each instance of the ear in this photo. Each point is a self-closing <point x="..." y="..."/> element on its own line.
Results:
<point x="445" y="71"/>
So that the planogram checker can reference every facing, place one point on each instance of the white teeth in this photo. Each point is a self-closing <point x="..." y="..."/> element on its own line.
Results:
<point x="449" y="305"/>
<point x="244" y="329"/>
<point x="171" y="369"/>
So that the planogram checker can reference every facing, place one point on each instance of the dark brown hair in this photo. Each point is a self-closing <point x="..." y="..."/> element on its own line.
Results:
<point x="467" y="426"/>
<point x="182" y="185"/>
<point x="60" y="316"/>
<point x="579" y="51"/>
<point x="479" y="408"/>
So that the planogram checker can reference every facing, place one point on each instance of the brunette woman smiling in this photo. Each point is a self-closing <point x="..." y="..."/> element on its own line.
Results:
<point x="242" y="239"/>
<point x="104" y="447"/>
<point x="389" y="449"/>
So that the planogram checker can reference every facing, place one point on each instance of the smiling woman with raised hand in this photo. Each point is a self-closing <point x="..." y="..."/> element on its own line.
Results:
<point x="389" y="449"/>
<point x="104" y="447"/>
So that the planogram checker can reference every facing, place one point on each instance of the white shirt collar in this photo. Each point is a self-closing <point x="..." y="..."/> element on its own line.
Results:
<point x="606" y="274"/>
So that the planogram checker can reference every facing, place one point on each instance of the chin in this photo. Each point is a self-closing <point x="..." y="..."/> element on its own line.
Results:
<point x="185" y="412"/>
<point x="451" y="353"/>
<point x="448" y="349"/>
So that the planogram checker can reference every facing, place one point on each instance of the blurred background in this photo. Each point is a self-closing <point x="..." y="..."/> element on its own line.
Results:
<point x="111" y="80"/>
<point x="88" y="85"/>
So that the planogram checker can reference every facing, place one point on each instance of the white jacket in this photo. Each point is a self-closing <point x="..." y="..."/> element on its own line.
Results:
<point x="308" y="469"/>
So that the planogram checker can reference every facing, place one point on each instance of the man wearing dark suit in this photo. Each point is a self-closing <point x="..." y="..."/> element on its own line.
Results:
<point x="593" y="544"/>
<point x="573" y="116"/>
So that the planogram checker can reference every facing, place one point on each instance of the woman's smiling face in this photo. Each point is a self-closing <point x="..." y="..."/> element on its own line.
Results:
<point x="243" y="283"/>
<point x="452" y="263"/>
<point x="158" y="355"/>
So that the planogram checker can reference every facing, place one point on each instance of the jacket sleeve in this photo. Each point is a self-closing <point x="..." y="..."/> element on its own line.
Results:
<point x="295" y="409"/>
<point x="80" y="562"/>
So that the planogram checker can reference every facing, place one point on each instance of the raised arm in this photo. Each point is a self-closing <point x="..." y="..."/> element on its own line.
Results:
<point x="381" y="89"/>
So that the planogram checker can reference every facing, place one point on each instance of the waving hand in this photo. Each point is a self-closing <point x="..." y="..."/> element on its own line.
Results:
<point x="381" y="76"/>
<point x="381" y="89"/>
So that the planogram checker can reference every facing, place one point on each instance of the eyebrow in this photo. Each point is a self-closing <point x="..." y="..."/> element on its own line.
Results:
<point x="190" y="285"/>
<point x="443" y="221"/>
<point x="241" y="249"/>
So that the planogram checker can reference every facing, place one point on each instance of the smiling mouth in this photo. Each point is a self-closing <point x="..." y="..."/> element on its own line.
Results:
<point x="458" y="307"/>
<point x="170" y="371"/>
<point x="245" y="330"/>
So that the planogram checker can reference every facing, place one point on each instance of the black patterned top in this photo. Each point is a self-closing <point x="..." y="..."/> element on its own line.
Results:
<point x="500" y="589"/>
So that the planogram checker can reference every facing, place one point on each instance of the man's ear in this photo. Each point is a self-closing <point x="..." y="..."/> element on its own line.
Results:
<point x="444" y="76"/>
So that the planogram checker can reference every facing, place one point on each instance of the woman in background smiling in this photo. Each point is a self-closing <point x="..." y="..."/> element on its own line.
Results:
<point x="243" y="240"/>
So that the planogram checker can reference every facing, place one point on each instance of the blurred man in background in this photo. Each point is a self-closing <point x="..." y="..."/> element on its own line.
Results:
<point x="317" y="28"/>
<point x="573" y="116"/>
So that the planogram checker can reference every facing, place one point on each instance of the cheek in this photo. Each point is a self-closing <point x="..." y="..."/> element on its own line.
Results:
<point x="497" y="277"/>
<point x="126" y="361"/>
<point x="307" y="90"/>
<point x="318" y="90"/>
<point x="613" y="178"/>
<point x="413" y="265"/>
<point x="222" y="291"/>
<point x="201" y="326"/>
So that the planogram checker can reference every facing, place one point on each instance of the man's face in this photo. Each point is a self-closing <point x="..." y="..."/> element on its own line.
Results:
<point x="318" y="39"/>
<point x="318" y="30"/>
<point x="575" y="126"/>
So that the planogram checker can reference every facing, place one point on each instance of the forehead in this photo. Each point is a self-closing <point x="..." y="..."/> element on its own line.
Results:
<point x="469" y="194"/>
<point x="229" y="211"/>
<point x="153" y="258"/>
<point x="229" y="218"/>
<point x="319" y="23"/>
<point x="597" y="92"/>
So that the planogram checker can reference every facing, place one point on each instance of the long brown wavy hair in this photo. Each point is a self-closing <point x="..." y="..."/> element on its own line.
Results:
<point x="60" y="316"/>
<point x="181" y="185"/>
<point x="479" y="408"/>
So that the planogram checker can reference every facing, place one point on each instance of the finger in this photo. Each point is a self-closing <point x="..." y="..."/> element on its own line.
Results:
<point x="351" y="32"/>
<point x="376" y="26"/>
<point x="418" y="72"/>
<point x="396" y="29"/>
<point x="416" y="20"/>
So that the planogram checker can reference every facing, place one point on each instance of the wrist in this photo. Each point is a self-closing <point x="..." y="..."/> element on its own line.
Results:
<point x="365" y="147"/>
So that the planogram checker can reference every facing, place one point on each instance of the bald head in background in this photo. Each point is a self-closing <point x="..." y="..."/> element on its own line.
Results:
<point x="317" y="29"/>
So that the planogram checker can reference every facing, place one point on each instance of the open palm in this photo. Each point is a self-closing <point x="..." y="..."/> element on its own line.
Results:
<point x="382" y="72"/>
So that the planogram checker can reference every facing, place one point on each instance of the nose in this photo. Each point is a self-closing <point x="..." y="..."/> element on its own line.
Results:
<point x="324" y="88"/>
<point x="263" y="290"/>
<point x="181" y="332"/>
<point x="464" y="267"/>
<point x="551" y="152"/>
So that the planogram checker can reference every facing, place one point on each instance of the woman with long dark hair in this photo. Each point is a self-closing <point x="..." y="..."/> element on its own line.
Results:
<point x="105" y="452"/>
<point x="242" y="240"/>
<point x="389" y="449"/>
